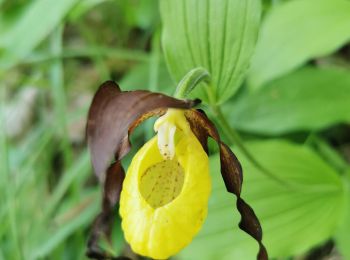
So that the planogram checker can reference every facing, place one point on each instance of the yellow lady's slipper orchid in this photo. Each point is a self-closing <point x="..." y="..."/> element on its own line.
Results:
<point x="164" y="196"/>
<point x="165" y="193"/>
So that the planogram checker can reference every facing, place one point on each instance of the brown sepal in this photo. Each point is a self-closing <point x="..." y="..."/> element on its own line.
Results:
<point x="114" y="114"/>
<point x="112" y="117"/>
<point x="231" y="172"/>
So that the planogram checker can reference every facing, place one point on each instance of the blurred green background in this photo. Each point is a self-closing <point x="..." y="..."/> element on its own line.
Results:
<point x="284" y="102"/>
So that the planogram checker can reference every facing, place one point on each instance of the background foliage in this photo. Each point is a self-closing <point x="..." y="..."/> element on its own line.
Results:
<point x="280" y="92"/>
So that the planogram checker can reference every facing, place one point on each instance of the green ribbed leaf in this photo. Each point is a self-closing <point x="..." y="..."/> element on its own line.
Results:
<point x="307" y="212"/>
<point x="218" y="35"/>
<point x="297" y="31"/>
<point x="342" y="237"/>
<point x="309" y="99"/>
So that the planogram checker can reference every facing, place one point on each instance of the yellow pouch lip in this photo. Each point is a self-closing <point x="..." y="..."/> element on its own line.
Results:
<point x="190" y="203"/>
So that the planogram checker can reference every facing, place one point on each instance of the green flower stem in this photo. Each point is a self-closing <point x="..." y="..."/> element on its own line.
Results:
<point x="89" y="52"/>
<point x="234" y="137"/>
<point x="190" y="81"/>
<point x="58" y="93"/>
<point x="7" y="192"/>
<point x="153" y="75"/>
<point x="331" y="155"/>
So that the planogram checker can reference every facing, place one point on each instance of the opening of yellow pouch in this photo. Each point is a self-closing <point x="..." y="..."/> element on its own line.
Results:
<point x="162" y="182"/>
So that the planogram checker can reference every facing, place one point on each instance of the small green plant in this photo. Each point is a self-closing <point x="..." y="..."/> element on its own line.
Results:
<point x="279" y="94"/>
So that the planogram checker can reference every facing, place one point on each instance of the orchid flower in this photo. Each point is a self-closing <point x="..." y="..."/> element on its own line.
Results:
<point x="164" y="195"/>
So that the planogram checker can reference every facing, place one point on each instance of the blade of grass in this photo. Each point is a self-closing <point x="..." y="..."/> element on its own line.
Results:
<point x="8" y="182"/>
<point x="32" y="157"/>
<point x="98" y="58"/>
<point x="79" y="168"/>
<point x="58" y="93"/>
<point x="1" y="255"/>
<point x="154" y="62"/>
<point x="29" y="29"/>
<point x="234" y="138"/>
<point x="153" y="77"/>
<point x="82" y="217"/>
<point x="89" y="52"/>
<point x="332" y="156"/>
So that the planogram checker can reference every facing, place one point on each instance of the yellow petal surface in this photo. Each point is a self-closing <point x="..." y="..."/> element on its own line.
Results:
<point x="164" y="203"/>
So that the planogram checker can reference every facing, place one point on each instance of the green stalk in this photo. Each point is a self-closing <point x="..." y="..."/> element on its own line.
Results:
<point x="188" y="83"/>
<point x="154" y="62"/>
<point x="89" y="52"/>
<point x="58" y="93"/>
<point x="153" y="76"/>
<point x="60" y="103"/>
<point x="234" y="138"/>
<point x="331" y="155"/>
<point x="8" y="182"/>
<point x="97" y="59"/>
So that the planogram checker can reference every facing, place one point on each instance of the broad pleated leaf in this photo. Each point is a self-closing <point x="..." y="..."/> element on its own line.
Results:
<point x="31" y="28"/>
<point x="309" y="99"/>
<point x="342" y="237"/>
<point x="294" y="218"/>
<point x="218" y="35"/>
<point x="297" y="31"/>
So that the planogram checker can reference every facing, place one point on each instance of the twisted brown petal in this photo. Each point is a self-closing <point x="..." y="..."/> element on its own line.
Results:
<point x="231" y="172"/>
<point x="103" y="223"/>
<point x="113" y="115"/>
